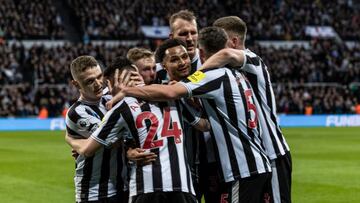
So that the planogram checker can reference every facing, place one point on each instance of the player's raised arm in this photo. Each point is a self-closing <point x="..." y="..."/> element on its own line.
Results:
<point x="227" y="56"/>
<point x="157" y="92"/>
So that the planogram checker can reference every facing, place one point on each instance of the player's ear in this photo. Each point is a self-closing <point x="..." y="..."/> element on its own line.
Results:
<point x="171" y="35"/>
<point x="76" y="84"/>
<point x="232" y="42"/>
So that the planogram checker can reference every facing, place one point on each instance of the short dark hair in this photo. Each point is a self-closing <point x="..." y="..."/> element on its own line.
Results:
<point x="121" y="63"/>
<point x="232" y="24"/>
<point x="167" y="44"/>
<point x="212" y="39"/>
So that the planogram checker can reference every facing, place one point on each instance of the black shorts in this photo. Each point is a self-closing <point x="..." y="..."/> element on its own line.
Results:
<point x="209" y="185"/>
<point x="280" y="191"/>
<point x="164" y="197"/>
<point x="246" y="190"/>
<point x="119" y="198"/>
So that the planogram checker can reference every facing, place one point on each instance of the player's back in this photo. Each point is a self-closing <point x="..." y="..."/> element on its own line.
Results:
<point x="229" y="103"/>
<point x="155" y="127"/>
<point x="257" y="73"/>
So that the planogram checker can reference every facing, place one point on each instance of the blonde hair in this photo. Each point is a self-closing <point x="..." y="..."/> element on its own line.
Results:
<point x="136" y="54"/>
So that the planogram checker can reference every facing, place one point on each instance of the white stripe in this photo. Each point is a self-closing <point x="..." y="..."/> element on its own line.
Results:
<point x="235" y="192"/>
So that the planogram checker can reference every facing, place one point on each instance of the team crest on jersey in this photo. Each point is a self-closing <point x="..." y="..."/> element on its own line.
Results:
<point x="83" y="124"/>
<point x="196" y="77"/>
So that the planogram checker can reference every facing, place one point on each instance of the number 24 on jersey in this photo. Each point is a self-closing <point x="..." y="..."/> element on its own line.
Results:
<point x="168" y="130"/>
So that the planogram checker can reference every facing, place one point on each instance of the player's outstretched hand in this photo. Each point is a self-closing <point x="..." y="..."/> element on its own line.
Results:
<point x="140" y="156"/>
<point x="136" y="79"/>
<point x="120" y="81"/>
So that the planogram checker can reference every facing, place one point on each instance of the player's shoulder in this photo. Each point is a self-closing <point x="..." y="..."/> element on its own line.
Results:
<point x="74" y="109"/>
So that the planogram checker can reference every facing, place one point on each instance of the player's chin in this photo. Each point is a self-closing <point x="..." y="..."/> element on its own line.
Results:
<point x="184" y="73"/>
<point x="99" y="94"/>
<point x="191" y="49"/>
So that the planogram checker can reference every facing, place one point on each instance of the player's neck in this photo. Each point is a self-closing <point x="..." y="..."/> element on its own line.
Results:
<point x="241" y="47"/>
<point x="88" y="100"/>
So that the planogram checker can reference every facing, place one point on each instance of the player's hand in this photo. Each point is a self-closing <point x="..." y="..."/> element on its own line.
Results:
<point x="74" y="154"/>
<point x="140" y="156"/>
<point x="136" y="79"/>
<point x="120" y="81"/>
<point x="118" y="97"/>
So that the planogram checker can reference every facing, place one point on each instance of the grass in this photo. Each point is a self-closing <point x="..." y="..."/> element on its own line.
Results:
<point x="38" y="167"/>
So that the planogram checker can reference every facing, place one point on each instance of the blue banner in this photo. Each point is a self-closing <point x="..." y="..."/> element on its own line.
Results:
<point x="18" y="124"/>
<point x="319" y="120"/>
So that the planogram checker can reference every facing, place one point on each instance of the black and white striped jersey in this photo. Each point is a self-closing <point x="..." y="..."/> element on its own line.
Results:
<point x="257" y="73"/>
<point x="230" y="106"/>
<point x="105" y="173"/>
<point x="193" y="137"/>
<point x="156" y="127"/>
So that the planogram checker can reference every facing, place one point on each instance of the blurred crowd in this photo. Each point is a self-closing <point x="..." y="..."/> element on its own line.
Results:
<point x="30" y="19"/>
<point x="317" y="99"/>
<point x="37" y="79"/>
<point x="323" y="61"/>
<point x="120" y="19"/>
<point x="296" y="73"/>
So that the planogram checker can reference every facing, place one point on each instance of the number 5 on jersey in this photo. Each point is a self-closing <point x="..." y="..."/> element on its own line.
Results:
<point x="168" y="130"/>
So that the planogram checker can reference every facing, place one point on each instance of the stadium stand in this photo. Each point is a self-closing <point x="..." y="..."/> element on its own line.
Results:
<point x="30" y="19"/>
<point x="324" y="75"/>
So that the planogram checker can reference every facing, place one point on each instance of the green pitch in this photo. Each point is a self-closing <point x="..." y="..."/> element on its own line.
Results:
<point x="38" y="167"/>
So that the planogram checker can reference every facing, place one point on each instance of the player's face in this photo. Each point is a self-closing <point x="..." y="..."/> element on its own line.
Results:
<point x="147" y="69"/>
<point x="177" y="63"/>
<point x="186" y="31"/>
<point x="90" y="83"/>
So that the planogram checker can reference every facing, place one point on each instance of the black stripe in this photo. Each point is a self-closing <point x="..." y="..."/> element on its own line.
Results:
<point x="186" y="159"/>
<point x="232" y="113"/>
<point x="105" y="173"/>
<point x="130" y="121"/>
<point x="72" y="114"/>
<point x="253" y="60"/>
<point x="215" y="147"/>
<point x="174" y="163"/>
<point x="97" y="110"/>
<point x="186" y="113"/>
<point x="208" y="87"/>
<point x="156" y="166"/>
<point x="193" y="66"/>
<point x="73" y="133"/>
<point x="174" y="160"/>
<point x="127" y="115"/>
<point x="231" y="153"/>
<point x="120" y="164"/>
<point x="85" y="181"/>
<point x="111" y="122"/>
<point x="270" y="104"/>
<point x="103" y="101"/>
